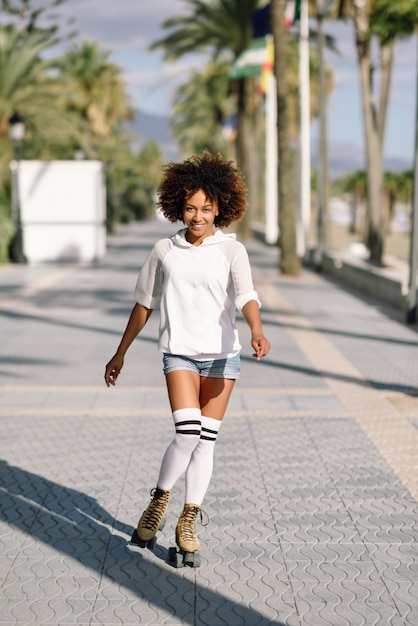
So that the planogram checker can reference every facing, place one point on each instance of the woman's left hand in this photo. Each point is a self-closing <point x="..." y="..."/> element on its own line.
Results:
<point x="261" y="345"/>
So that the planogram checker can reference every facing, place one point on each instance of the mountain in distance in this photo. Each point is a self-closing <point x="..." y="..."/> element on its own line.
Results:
<point x="344" y="158"/>
<point x="147" y="126"/>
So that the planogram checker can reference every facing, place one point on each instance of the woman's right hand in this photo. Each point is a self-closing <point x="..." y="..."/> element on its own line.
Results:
<point x="113" y="369"/>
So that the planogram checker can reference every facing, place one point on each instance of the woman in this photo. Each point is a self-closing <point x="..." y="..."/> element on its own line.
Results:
<point x="198" y="278"/>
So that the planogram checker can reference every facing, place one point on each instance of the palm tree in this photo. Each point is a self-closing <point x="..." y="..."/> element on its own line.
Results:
<point x="96" y="92"/>
<point x="405" y="185"/>
<point x="385" y="20"/>
<point x="31" y="18"/>
<point x="356" y="185"/>
<point x="224" y="28"/>
<point x="131" y="179"/>
<point x="391" y="186"/>
<point x="289" y="261"/>
<point x="201" y="107"/>
<point x="292" y="78"/>
<point x="28" y="87"/>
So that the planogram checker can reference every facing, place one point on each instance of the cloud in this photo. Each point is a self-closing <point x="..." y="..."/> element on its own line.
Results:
<point x="128" y="28"/>
<point x="153" y="88"/>
<point x="121" y="23"/>
<point x="345" y="65"/>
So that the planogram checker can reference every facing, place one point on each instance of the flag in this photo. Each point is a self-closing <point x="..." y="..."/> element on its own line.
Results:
<point x="268" y="65"/>
<point x="292" y="12"/>
<point x="250" y="61"/>
<point x="261" y="21"/>
<point x="261" y="17"/>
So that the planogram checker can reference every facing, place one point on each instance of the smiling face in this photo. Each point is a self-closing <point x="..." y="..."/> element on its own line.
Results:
<point x="199" y="215"/>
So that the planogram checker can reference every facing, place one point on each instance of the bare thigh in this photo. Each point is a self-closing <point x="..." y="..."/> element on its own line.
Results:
<point x="214" y="396"/>
<point x="183" y="389"/>
<point x="189" y="390"/>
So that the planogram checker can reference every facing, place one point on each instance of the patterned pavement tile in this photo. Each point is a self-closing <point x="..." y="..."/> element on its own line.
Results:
<point x="404" y="594"/>
<point x="312" y="513"/>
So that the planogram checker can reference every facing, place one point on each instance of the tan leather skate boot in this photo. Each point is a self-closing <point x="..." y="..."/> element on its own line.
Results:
<point x="152" y="519"/>
<point x="185" y="533"/>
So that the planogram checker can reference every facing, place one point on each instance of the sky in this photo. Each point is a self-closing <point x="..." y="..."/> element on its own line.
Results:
<point x="128" y="27"/>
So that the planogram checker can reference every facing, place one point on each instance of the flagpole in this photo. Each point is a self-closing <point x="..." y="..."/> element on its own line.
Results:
<point x="304" y="136"/>
<point x="271" y="193"/>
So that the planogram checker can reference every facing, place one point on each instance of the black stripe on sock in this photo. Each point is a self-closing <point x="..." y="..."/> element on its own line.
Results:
<point x="208" y="430"/>
<point x="187" y="422"/>
<point x="208" y="438"/>
<point x="188" y="432"/>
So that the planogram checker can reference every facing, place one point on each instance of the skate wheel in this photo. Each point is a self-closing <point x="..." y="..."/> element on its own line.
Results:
<point x="135" y="537"/>
<point x="183" y="559"/>
<point x="175" y="558"/>
<point x="192" y="559"/>
<point x="172" y="554"/>
<point x="162" y="524"/>
<point x="142" y="544"/>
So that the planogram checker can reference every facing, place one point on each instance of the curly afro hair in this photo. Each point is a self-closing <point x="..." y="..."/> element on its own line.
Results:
<point x="219" y="179"/>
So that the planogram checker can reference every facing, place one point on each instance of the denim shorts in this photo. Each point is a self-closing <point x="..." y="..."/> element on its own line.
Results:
<point x="212" y="368"/>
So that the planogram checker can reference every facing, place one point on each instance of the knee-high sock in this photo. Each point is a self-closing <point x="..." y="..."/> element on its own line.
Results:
<point x="177" y="456"/>
<point x="199" y="471"/>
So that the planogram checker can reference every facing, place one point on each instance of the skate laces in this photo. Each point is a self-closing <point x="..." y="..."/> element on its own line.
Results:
<point x="156" y="508"/>
<point x="188" y="518"/>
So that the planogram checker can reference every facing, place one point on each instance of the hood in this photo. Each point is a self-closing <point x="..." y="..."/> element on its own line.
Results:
<point x="218" y="237"/>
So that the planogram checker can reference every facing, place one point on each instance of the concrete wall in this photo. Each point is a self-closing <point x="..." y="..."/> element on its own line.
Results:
<point x="63" y="210"/>
<point x="382" y="283"/>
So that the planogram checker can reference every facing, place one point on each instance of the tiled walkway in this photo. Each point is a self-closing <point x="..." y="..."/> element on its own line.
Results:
<point x="313" y="514"/>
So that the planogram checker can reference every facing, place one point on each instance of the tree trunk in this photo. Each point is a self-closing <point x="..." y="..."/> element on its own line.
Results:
<point x="289" y="260"/>
<point x="323" y="149"/>
<point x="245" y="151"/>
<point x="386" y="64"/>
<point x="374" y="231"/>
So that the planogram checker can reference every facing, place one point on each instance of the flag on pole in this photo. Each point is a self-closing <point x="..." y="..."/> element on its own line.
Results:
<point x="258" y="53"/>
<point x="261" y="21"/>
<point x="292" y="12"/>
<point x="268" y="65"/>
<point x="250" y="61"/>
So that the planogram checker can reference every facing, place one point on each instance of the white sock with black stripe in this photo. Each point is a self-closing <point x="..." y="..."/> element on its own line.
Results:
<point x="199" y="471"/>
<point x="177" y="456"/>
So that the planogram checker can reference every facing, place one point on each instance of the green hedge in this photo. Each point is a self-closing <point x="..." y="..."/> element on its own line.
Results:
<point x="7" y="230"/>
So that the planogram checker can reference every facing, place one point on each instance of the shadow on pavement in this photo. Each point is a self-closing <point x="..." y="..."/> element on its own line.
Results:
<point x="75" y="524"/>
<point x="373" y="384"/>
<point x="362" y="382"/>
<point x="68" y="324"/>
<point x="329" y="331"/>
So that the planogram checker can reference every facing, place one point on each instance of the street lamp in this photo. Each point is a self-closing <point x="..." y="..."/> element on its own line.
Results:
<point x="16" y="135"/>
<point x="79" y="154"/>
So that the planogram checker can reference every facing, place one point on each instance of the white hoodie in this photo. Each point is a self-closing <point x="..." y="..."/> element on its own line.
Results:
<point x="198" y="289"/>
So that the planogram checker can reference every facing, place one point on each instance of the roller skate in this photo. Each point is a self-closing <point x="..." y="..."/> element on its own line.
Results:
<point x="152" y="519"/>
<point x="188" y="543"/>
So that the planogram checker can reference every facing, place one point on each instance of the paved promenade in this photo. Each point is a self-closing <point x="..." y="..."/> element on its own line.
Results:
<point x="313" y="514"/>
